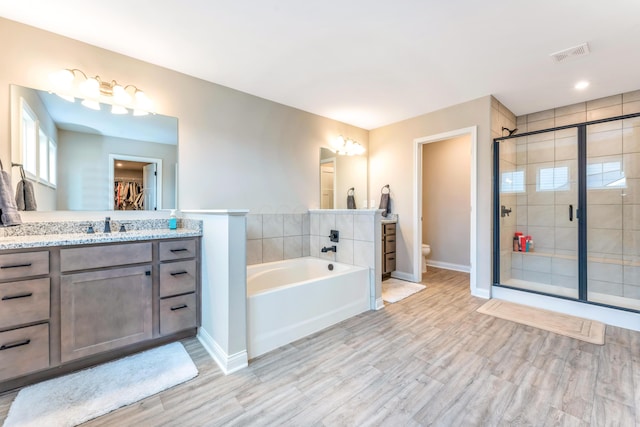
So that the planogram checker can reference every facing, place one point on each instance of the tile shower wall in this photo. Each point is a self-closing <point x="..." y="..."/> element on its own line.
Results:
<point x="502" y="117"/>
<point x="275" y="237"/>
<point x="614" y="215"/>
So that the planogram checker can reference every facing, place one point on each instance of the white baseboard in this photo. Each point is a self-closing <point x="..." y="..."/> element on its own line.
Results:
<point x="610" y="316"/>
<point x="379" y="304"/>
<point x="449" y="266"/>
<point x="227" y="363"/>
<point x="402" y="276"/>
<point x="481" y="293"/>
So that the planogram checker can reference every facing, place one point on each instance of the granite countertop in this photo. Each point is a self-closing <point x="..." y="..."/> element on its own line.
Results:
<point x="68" y="239"/>
<point x="390" y="219"/>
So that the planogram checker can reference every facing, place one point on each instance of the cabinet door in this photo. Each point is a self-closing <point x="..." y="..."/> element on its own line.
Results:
<point x="103" y="310"/>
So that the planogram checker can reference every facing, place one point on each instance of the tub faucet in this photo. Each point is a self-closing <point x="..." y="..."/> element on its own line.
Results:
<point x="329" y="249"/>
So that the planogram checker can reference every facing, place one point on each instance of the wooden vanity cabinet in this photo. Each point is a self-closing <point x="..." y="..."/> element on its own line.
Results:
<point x="24" y="313"/>
<point x="388" y="249"/>
<point x="75" y="306"/>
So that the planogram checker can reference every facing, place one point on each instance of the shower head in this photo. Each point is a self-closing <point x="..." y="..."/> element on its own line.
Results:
<point x="511" y="131"/>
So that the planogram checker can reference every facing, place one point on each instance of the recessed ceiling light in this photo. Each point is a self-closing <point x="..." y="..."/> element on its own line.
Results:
<point x="583" y="84"/>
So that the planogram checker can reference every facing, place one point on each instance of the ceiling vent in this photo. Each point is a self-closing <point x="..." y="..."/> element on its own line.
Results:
<point x="572" y="52"/>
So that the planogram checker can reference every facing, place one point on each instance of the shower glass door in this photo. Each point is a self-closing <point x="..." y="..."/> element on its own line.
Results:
<point x="538" y="198"/>
<point x="613" y="213"/>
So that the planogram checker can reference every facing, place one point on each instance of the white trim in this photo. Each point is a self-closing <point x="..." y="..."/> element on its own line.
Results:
<point x="158" y="162"/>
<point x="610" y="316"/>
<point x="334" y="161"/>
<point x="449" y="266"/>
<point x="417" y="203"/>
<point x="379" y="303"/>
<point x="227" y="363"/>
<point x="481" y="293"/>
<point x="404" y="276"/>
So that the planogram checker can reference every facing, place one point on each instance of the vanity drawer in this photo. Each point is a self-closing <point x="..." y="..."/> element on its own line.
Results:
<point x="389" y="263"/>
<point x="24" y="350"/>
<point x="104" y="256"/>
<point x="177" y="277"/>
<point x="177" y="313"/>
<point x="390" y="244"/>
<point x="177" y="249"/>
<point x="24" y="264"/>
<point x="389" y="229"/>
<point x="24" y="302"/>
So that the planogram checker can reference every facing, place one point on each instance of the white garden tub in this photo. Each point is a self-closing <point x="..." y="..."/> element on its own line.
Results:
<point x="288" y="300"/>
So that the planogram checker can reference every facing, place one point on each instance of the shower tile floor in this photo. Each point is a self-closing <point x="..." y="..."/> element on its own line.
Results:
<point x="430" y="359"/>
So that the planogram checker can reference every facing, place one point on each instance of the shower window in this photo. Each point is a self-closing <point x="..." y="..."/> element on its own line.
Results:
<point x="567" y="212"/>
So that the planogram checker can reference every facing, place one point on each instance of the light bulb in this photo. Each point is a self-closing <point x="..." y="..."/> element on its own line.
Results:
<point x="337" y="143"/>
<point x="358" y="149"/>
<point x="120" y="95"/>
<point x="63" y="79"/>
<point x="142" y="102"/>
<point x="91" y="103"/>
<point x="118" y="109"/>
<point x="90" y="87"/>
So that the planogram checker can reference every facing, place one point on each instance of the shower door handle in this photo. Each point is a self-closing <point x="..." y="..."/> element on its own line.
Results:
<point x="570" y="212"/>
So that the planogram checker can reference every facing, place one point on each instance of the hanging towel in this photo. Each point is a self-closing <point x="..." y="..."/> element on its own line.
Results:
<point x="351" y="201"/>
<point x="25" y="195"/>
<point x="385" y="201"/>
<point x="8" y="211"/>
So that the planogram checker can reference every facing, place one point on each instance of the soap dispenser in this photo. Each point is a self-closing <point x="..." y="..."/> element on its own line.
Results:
<point x="173" y="221"/>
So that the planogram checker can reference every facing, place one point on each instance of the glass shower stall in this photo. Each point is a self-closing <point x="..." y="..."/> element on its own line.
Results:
<point x="567" y="212"/>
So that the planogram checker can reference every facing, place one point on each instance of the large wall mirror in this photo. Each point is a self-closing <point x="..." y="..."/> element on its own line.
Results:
<point x="83" y="159"/>
<point x="341" y="176"/>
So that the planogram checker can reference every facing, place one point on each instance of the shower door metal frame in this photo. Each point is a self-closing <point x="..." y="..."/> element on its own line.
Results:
<point x="581" y="212"/>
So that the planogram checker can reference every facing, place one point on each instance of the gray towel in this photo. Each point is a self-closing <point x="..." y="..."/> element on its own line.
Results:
<point x="384" y="204"/>
<point x="25" y="196"/>
<point x="8" y="211"/>
<point x="351" y="200"/>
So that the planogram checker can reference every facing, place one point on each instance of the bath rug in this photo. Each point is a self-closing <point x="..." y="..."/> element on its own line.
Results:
<point x="78" y="397"/>
<point x="394" y="290"/>
<point x="587" y="330"/>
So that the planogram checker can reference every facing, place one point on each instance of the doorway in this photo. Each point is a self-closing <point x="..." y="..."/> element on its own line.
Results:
<point x="136" y="182"/>
<point x="470" y="134"/>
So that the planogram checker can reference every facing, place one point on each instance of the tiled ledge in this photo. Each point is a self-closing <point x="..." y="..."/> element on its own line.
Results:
<point x="574" y="257"/>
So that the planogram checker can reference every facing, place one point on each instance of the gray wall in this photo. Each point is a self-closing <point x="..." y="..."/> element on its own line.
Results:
<point x="235" y="150"/>
<point x="446" y="197"/>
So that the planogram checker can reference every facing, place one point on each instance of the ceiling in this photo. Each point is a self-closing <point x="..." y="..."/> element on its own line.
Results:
<point x="368" y="63"/>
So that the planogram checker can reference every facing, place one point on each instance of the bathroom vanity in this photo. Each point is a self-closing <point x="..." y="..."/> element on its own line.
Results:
<point x="388" y="247"/>
<point x="69" y="301"/>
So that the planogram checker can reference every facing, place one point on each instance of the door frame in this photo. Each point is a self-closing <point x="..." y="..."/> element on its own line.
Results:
<point x="472" y="132"/>
<point x="112" y="160"/>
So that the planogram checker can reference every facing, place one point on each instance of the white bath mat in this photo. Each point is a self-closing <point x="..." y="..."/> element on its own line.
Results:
<point x="78" y="397"/>
<point x="394" y="290"/>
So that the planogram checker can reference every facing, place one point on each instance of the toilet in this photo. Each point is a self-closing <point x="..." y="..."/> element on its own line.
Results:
<point x="426" y="250"/>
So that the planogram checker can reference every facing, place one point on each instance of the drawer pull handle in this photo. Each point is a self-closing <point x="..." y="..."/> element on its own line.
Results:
<point x="178" y="250"/>
<point x="179" y="273"/>
<point x="16" y="265"/>
<point x="14" y="344"/>
<point x="179" y="307"/>
<point x="16" y="296"/>
<point x="391" y="259"/>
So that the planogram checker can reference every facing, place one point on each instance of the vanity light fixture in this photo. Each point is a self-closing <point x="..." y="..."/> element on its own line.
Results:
<point x="347" y="147"/>
<point x="93" y="90"/>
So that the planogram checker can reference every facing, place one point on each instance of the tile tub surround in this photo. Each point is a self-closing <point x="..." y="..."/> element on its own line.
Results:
<point x="276" y="237"/>
<point x="360" y="241"/>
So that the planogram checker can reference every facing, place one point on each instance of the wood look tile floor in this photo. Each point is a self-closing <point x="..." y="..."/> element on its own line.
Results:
<point x="430" y="359"/>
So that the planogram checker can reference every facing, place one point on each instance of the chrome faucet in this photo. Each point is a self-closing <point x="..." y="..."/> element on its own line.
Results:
<point x="329" y="249"/>
<point x="107" y="225"/>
